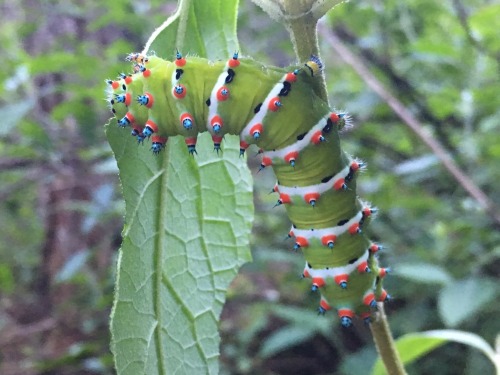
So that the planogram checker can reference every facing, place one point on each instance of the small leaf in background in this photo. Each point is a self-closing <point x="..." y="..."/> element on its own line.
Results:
<point x="423" y="273"/>
<point x="11" y="114"/>
<point x="285" y="338"/>
<point x="462" y="299"/>
<point x="304" y="324"/>
<point x="481" y="22"/>
<point x="72" y="266"/>
<point x="7" y="281"/>
<point x="417" y="165"/>
<point x="467" y="338"/>
<point x="410" y="348"/>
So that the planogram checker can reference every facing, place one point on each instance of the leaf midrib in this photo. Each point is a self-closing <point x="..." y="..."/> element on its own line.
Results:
<point x="159" y="248"/>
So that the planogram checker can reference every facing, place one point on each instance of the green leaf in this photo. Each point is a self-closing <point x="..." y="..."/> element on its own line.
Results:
<point x="415" y="345"/>
<point x="12" y="114"/>
<point x="410" y="348"/>
<point x="206" y="28"/>
<point x="285" y="338"/>
<point x="188" y="221"/>
<point x="462" y="299"/>
<point x="423" y="273"/>
<point x="483" y="23"/>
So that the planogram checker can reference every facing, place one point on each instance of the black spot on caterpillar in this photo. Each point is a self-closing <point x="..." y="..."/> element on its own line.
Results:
<point x="298" y="135"/>
<point x="257" y="108"/>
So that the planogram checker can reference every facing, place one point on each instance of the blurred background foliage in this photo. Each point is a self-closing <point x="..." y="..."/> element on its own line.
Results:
<point x="61" y="208"/>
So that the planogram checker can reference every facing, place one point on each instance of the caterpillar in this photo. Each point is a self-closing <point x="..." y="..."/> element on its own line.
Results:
<point x="297" y="134"/>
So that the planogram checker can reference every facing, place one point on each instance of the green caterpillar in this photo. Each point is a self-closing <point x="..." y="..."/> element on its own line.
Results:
<point x="297" y="134"/>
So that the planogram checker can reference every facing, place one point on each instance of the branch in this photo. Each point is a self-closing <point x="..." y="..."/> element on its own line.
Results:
<point x="385" y="344"/>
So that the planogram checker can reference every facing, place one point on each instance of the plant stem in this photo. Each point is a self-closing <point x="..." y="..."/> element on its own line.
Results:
<point x="305" y="43"/>
<point x="385" y="344"/>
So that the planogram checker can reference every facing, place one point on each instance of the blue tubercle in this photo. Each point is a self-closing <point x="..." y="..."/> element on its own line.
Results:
<point x="123" y="122"/>
<point x="147" y="132"/>
<point x="120" y="98"/>
<point x="156" y="147"/>
<point x="346" y="321"/>
<point x="142" y="99"/>
<point x="187" y="123"/>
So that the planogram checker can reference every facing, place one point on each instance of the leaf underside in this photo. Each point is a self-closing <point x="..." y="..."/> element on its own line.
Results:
<point x="187" y="225"/>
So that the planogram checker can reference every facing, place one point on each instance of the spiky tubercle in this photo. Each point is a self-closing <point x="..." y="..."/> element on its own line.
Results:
<point x="317" y="180"/>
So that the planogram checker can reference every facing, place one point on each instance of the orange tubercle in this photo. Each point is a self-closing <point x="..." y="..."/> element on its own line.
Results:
<point x="291" y="77"/>
<point x="334" y="117"/>
<point x="233" y="63"/>
<point x="150" y="100"/>
<point x="317" y="137"/>
<point x="274" y="104"/>
<point x="341" y="278"/>
<point x="179" y="91"/>
<point x="152" y="125"/>
<point x="216" y="139"/>
<point x="318" y="282"/>
<point x="257" y="128"/>
<point x="190" y="141"/>
<point x="354" y="229"/>
<point x="324" y="304"/>
<point x="266" y="161"/>
<point x="369" y="299"/>
<point x="285" y="198"/>
<point x="130" y="117"/>
<point x="363" y="267"/>
<point x="311" y="198"/>
<point x="216" y="120"/>
<point x="158" y="139"/>
<point x="291" y="157"/>
<point x="346" y="312"/>
<point x="223" y="94"/>
<point x="180" y="62"/>
<point x="339" y="184"/>
<point x="301" y="241"/>
<point x="329" y="240"/>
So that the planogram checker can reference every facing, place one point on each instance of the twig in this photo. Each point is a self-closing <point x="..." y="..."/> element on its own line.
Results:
<point x="385" y="344"/>
<point x="407" y="117"/>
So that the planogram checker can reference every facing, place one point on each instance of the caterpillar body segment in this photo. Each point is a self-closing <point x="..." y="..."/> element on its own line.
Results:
<point x="298" y="135"/>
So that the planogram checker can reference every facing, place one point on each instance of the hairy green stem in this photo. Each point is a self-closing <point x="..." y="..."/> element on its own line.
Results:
<point x="385" y="344"/>
<point x="305" y="43"/>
